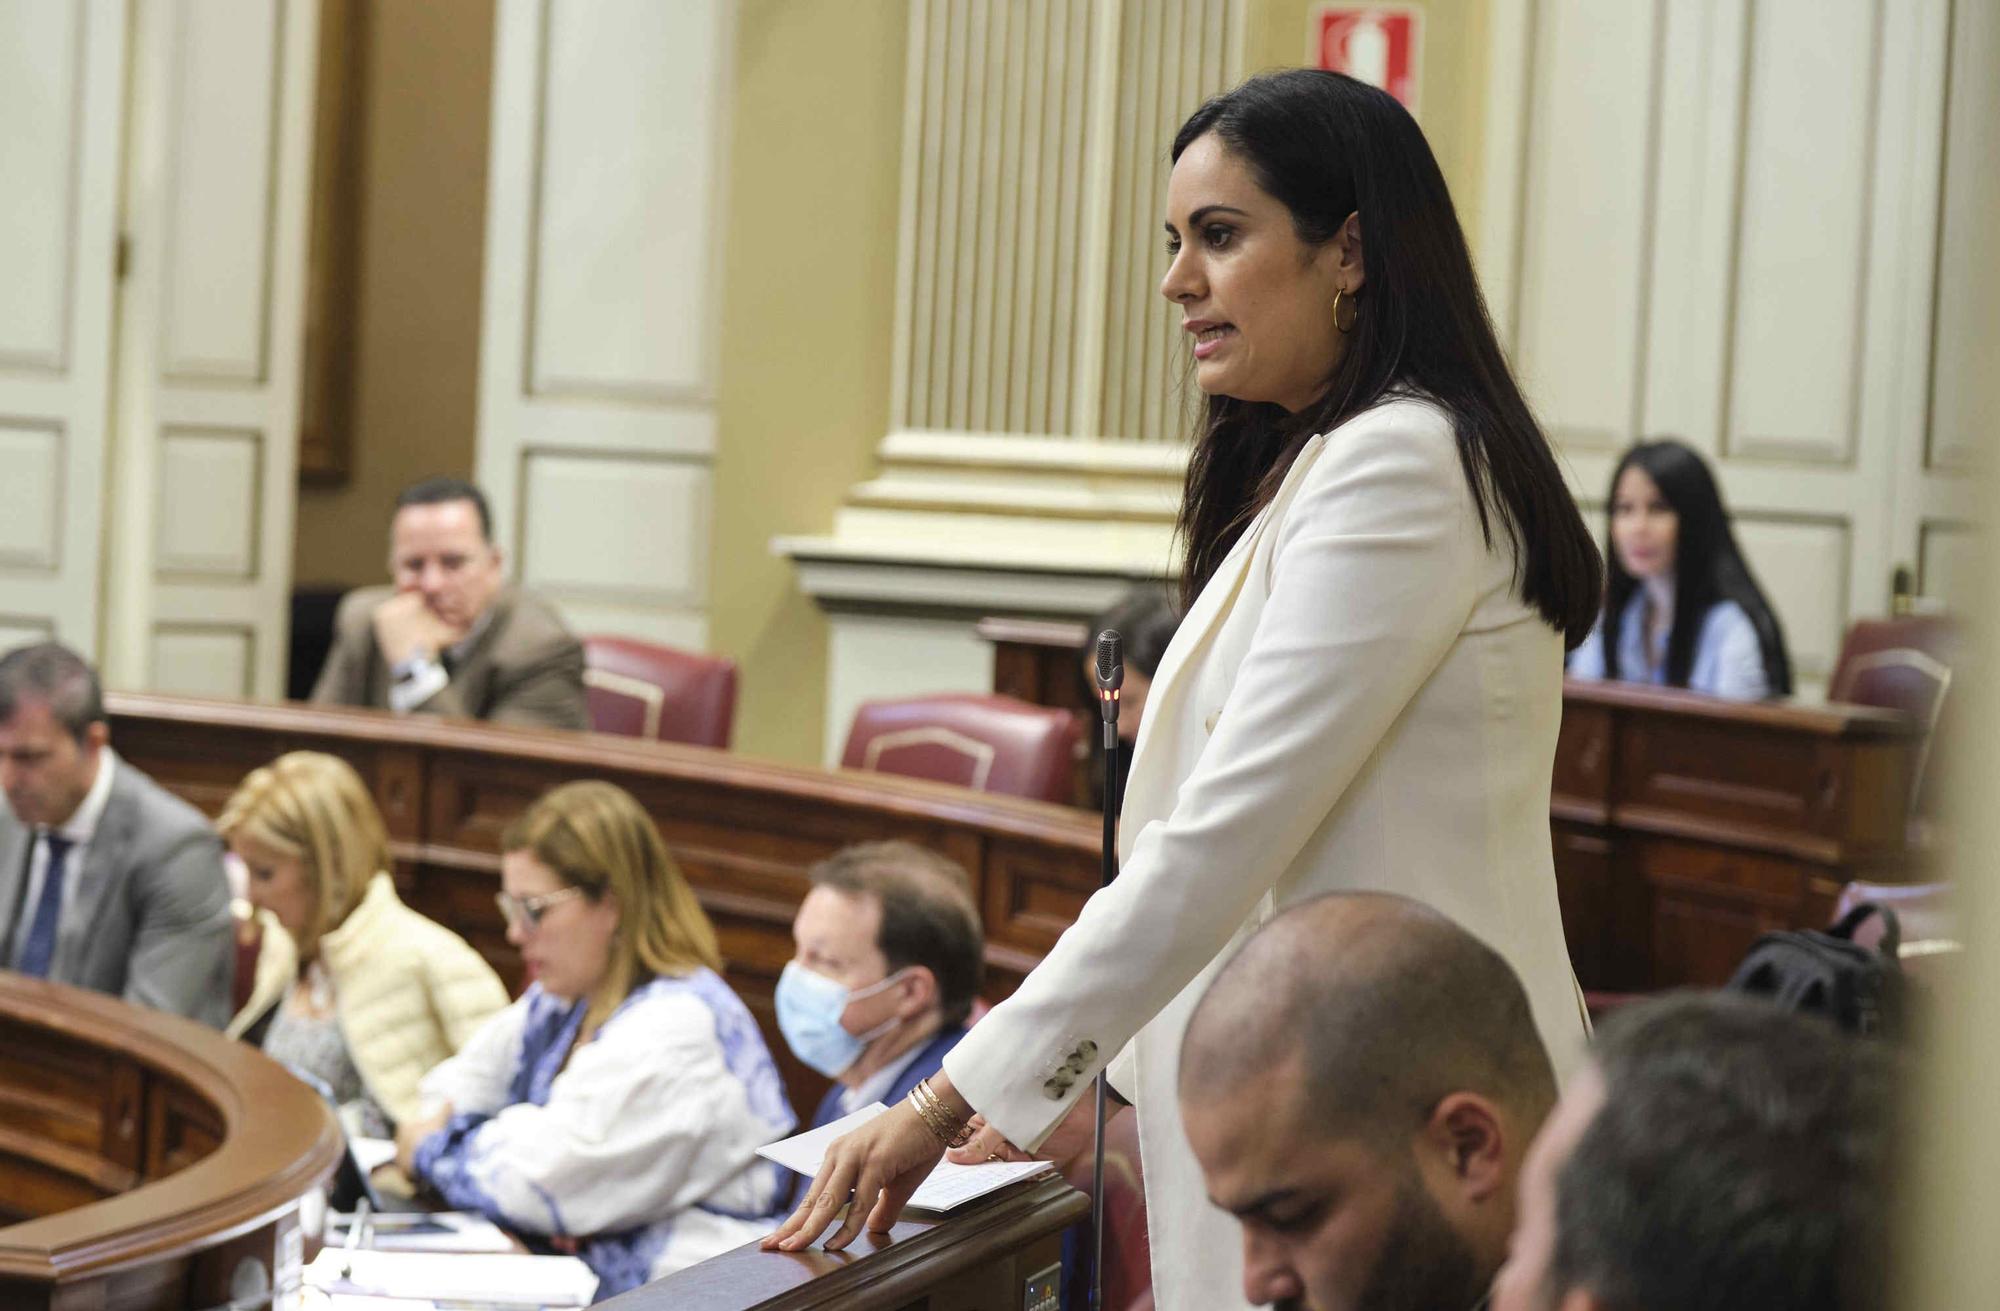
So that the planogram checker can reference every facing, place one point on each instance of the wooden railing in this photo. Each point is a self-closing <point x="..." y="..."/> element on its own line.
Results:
<point x="1684" y="825"/>
<point x="745" y="831"/>
<point x="145" y="1159"/>
<point x="983" y="1257"/>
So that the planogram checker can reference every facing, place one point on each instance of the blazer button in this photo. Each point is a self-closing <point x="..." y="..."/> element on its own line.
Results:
<point x="1075" y="1063"/>
<point x="1087" y="1049"/>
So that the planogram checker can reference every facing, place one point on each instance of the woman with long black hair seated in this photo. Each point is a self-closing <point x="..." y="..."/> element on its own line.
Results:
<point x="1681" y="607"/>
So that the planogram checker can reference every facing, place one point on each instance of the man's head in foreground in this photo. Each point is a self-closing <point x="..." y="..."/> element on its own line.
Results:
<point x="1360" y="1085"/>
<point x="1717" y="1153"/>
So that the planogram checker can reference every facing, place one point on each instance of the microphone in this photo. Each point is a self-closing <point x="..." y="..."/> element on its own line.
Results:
<point x="1110" y="677"/>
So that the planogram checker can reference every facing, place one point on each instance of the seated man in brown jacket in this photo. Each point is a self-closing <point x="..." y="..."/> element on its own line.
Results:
<point x="451" y="637"/>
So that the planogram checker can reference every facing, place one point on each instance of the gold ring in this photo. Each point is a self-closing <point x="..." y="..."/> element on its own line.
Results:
<point x="992" y="1156"/>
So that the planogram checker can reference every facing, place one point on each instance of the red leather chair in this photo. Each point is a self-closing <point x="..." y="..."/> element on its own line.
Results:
<point x="1905" y="664"/>
<point x="1900" y="664"/>
<point x="638" y="689"/>
<point x="987" y="743"/>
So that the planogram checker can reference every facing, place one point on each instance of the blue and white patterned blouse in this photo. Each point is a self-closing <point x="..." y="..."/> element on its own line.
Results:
<point x="1728" y="659"/>
<point x="641" y="1148"/>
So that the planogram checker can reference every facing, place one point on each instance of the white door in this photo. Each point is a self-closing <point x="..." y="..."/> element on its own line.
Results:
<point x="601" y="314"/>
<point x="61" y="96"/>
<point x="210" y="332"/>
<point x="1720" y="222"/>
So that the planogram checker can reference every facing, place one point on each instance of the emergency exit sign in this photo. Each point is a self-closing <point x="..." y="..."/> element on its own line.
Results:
<point x="1377" y="44"/>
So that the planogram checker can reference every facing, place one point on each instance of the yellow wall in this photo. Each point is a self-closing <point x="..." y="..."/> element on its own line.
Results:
<point x="808" y="288"/>
<point x="427" y="81"/>
<point x="1451" y="72"/>
<point x="808" y="308"/>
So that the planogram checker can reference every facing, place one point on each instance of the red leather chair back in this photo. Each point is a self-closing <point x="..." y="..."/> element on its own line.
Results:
<point x="638" y="689"/>
<point x="988" y="743"/>
<point x="1898" y="664"/>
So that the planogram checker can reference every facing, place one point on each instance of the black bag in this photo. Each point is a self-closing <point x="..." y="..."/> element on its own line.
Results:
<point x="1827" y="973"/>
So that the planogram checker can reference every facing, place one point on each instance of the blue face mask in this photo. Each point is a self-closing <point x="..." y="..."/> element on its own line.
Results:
<point x="809" y="1009"/>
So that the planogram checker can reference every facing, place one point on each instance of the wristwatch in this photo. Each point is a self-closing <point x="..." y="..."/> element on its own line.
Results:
<point x="408" y="668"/>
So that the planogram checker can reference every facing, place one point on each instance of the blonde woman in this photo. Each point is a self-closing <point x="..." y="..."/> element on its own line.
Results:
<point x="615" y="1109"/>
<point x="353" y="987"/>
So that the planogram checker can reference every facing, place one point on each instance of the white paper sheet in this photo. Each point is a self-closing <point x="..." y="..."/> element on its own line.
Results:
<point x="502" y="1281"/>
<point x="948" y="1187"/>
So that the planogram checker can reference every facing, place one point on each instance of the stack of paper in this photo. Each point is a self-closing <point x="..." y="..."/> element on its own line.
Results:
<point x="949" y="1185"/>
<point x="483" y="1280"/>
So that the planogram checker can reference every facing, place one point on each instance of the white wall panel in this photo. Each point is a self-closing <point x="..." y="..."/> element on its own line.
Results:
<point x="1803" y="230"/>
<point x="210" y="503"/>
<point x="623" y="273"/>
<point x="211" y="332"/>
<point x="1949" y="565"/>
<point x="203" y="660"/>
<point x="19" y="630"/>
<point x="1586" y="220"/>
<point x="31" y="495"/>
<point x="1965" y="379"/>
<point x="41" y="101"/>
<point x="616" y="526"/>
<point x="599" y="312"/>
<point x="226" y="96"/>
<point x="1803" y="566"/>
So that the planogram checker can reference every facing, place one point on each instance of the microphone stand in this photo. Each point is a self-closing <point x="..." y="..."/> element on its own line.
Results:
<point x="1110" y="678"/>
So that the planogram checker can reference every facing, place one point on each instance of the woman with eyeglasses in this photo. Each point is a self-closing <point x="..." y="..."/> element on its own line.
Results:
<point x="615" y="1110"/>
<point x="353" y="988"/>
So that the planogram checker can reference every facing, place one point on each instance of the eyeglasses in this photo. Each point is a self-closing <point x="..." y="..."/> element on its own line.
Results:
<point x="527" y="912"/>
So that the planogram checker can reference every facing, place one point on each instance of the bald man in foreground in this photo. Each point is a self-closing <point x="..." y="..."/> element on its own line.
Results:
<point x="1360" y="1085"/>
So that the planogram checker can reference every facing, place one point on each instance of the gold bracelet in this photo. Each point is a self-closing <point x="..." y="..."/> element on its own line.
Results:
<point x="932" y="1113"/>
<point x="937" y="1117"/>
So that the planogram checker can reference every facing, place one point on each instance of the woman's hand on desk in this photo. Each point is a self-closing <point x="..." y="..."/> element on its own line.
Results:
<point x="412" y="1132"/>
<point x="880" y="1164"/>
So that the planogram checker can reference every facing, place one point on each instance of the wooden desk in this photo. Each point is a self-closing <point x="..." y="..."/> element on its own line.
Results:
<point x="745" y="831"/>
<point x="142" y="1156"/>
<point x="1684" y="825"/>
<point x="979" y="1258"/>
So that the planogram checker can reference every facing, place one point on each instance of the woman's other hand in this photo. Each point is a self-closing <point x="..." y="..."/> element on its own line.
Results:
<point x="1068" y="1146"/>
<point x="412" y="1132"/>
<point x="880" y="1165"/>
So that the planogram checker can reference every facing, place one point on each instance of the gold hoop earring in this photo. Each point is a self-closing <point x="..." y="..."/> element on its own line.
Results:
<point x="1347" y="321"/>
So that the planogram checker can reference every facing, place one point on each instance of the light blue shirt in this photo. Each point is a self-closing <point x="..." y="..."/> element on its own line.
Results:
<point x="1728" y="659"/>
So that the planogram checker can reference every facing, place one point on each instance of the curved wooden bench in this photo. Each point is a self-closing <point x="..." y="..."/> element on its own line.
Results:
<point x="143" y="1157"/>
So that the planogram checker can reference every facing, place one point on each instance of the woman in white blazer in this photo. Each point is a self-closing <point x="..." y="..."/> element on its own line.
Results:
<point x="1384" y="567"/>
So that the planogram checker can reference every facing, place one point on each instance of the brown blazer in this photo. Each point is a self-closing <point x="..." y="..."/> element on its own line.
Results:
<point x="524" y="667"/>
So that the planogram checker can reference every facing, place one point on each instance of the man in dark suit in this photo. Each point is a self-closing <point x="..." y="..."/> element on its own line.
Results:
<point x="451" y="637"/>
<point x="887" y="962"/>
<point x="107" y="881"/>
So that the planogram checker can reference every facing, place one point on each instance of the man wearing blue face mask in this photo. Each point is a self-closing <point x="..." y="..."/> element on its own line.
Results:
<point x="887" y="961"/>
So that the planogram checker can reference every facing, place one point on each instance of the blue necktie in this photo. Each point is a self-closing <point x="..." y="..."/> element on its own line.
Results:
<point x="40" y="947"/>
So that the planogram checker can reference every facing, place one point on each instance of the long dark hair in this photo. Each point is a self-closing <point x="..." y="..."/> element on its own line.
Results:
<point x="1708" y="566"/>
<point x="1327" y="146"/>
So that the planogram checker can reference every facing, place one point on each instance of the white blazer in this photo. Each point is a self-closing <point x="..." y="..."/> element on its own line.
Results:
<point x="1357" y="700"/>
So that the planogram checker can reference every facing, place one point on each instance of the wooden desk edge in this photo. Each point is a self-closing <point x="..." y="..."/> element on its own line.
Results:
<point x="279" y="1140"/>
<point x="908" y="1266"/>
